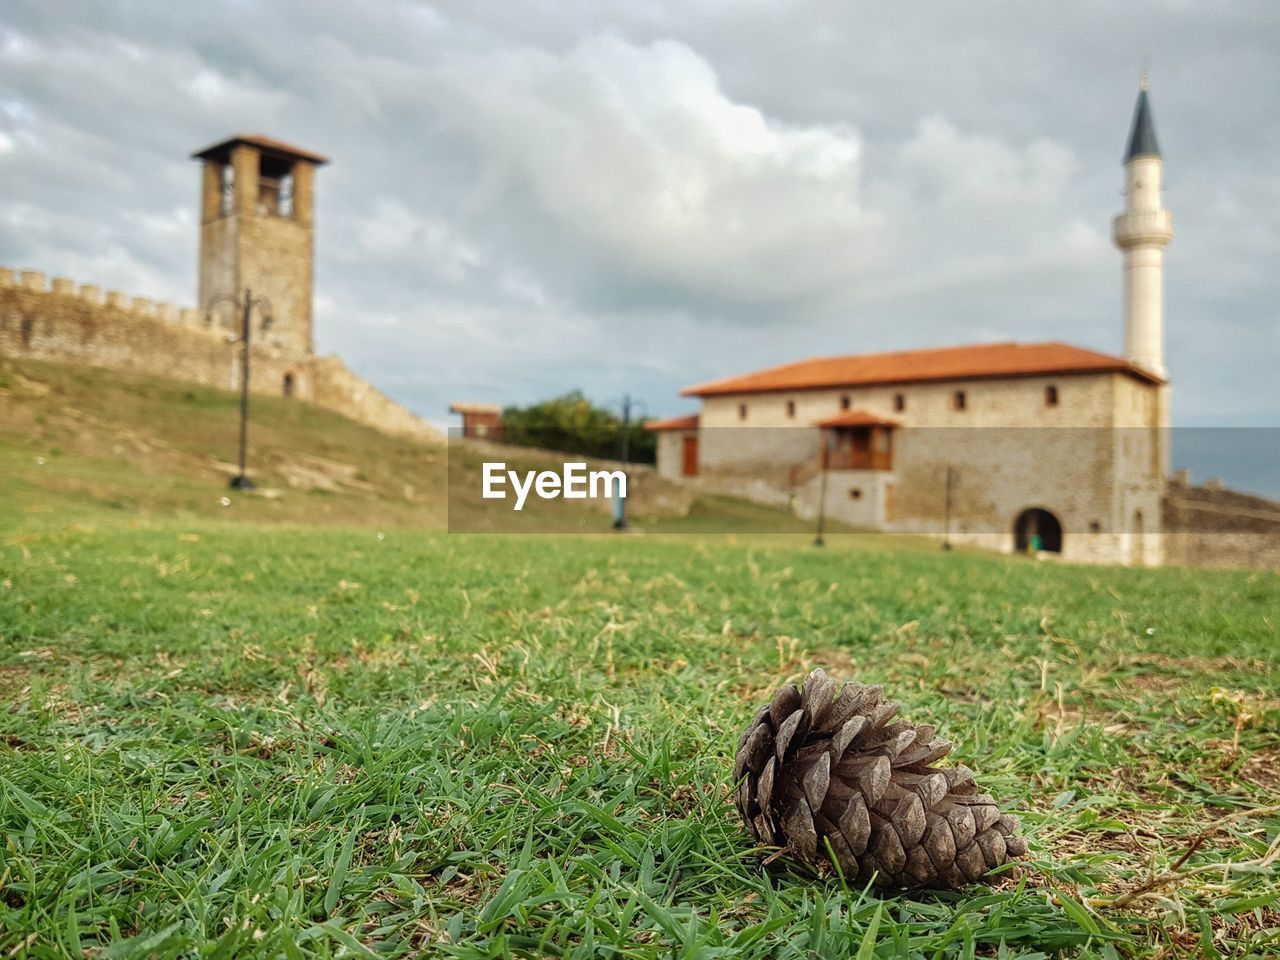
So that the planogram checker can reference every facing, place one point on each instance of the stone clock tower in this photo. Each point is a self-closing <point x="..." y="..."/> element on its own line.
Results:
<point x="257" y="227"/>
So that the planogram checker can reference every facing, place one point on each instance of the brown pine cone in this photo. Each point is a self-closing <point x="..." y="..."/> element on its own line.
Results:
<point x="816" y="768"/>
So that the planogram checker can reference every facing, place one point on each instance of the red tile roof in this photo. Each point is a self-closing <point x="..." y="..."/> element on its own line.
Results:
<point x="975" y="362"/>
<point x="265" y="144"/>
<point x="857" y="418"/>
<point x="465" y="407"/>
<point x="675" y="423"/>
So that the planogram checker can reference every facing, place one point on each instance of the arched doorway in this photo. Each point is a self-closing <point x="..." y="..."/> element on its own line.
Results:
<point x="288" y="385"/>
<point x="1037" y="531"/>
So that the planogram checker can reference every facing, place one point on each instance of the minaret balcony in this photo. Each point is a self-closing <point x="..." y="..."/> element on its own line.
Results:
<point x="1143" y="228"/>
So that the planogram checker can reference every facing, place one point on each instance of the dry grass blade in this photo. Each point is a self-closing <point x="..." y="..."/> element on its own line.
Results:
<point x="1175" y="873"/>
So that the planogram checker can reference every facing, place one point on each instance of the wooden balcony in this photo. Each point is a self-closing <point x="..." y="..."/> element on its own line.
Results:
<point x="856" y="448"/>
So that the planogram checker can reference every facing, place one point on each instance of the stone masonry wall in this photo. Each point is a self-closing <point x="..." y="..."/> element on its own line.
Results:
<point x="335" y="387"/>
<point x="1213" y="527"/>
<point x="1084" y="400"/>
<point x="670" y="451"/>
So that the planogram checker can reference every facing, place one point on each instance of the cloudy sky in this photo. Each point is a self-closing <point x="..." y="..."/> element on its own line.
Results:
<point x="526" y="198"/>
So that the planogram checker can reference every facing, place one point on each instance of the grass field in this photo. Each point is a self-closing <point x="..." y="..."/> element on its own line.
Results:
<point x="229" y="740"/>
<point x="227" y="734"/>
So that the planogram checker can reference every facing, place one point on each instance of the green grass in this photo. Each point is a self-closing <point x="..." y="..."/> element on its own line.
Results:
<point x="311" y="724"/>
<point x="228" y="740"/>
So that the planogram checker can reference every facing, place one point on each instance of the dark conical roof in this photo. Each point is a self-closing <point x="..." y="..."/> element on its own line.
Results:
<point x="1142" y="138"/>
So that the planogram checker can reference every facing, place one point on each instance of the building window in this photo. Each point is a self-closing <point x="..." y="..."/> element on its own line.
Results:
<point x="275" y="187"/>
<point x="226" y="189"/>
<point x="286" y="195"/>
<point x="742" y="411"/>
<point x="899" y="402"/>
<point x="845" y="402"/>
<point x="791" y="408"/>
<point x="959" y="401"/>
<point x="1051" y="396"/>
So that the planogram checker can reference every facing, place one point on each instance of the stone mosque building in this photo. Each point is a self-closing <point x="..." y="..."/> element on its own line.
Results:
<point x="257" y="234"/>
<point x="1044" y="447"/>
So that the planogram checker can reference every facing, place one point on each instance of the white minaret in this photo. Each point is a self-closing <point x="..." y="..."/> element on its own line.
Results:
<point x="1142" y="232"/>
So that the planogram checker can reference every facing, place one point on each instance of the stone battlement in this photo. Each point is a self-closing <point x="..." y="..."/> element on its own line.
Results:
<point x="66" y="323"/>
<point x="35" y="281"/>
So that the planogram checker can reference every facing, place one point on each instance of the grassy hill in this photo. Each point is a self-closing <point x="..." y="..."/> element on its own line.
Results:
<point x="77" y="441"/>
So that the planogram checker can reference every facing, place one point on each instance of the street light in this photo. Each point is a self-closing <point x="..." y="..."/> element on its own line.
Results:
<point x="246" y="304"/>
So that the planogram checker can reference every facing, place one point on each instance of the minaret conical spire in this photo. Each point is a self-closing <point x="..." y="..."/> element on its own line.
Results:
<point x="1142" y="135"/>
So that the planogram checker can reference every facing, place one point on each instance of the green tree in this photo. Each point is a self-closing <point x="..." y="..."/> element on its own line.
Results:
<point x="571" y="424"/>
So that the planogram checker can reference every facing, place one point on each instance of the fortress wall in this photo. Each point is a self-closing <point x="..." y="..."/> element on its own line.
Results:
<point x="1215" y="527"/>
<point x="73" y="324"/>
<point x="335" y="387"/>
<point x="79" y="325"/>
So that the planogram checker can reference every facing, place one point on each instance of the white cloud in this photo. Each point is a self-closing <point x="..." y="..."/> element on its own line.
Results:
<point x="208" y="86"/>
<point x="16" y="46"/>
<point x="432" y="244"/>
<point x="958" y="169"/>
<point x="637" y="152"/>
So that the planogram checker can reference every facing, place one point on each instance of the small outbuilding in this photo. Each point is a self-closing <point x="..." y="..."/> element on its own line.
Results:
<point x="677" y="445"/>
<point x="480" y="421"/>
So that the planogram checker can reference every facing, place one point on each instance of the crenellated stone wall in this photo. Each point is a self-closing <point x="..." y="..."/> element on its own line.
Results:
<point x="79" y="324"/>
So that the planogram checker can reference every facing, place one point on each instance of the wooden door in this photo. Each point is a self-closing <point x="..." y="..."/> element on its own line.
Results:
<point x="689" y="460"/>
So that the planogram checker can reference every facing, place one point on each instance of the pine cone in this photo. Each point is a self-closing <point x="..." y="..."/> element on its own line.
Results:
<point x="814" y="767"/>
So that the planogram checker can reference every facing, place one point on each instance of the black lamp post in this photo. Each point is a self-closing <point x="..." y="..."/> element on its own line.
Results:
<point x="246" y="304"/>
